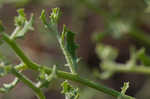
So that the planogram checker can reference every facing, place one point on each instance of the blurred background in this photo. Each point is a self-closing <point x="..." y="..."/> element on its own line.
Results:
<point x="118" y="23"/>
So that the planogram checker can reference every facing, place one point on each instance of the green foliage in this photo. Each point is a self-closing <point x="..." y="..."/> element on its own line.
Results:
<point x="52" y="22"/>
<point x="118" y="25"/>
<point x="71" y="45"/>
<point x="22" y="24"/>
<point x="43" y="18"/>
<point x="54" y="17"/>
<point x="47" y="74"/>
<point x="20" y="20"/>
<point x="69" y="91"/>
<point x="68" y="41"/>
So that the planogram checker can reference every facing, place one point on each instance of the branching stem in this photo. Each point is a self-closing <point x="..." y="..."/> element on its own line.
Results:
<point x="61" y="74"/>
<point x="29" y="83"/>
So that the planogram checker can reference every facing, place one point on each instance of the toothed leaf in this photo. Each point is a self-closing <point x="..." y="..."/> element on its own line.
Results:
<point x="27" y="26"/>
<point x="71" y="45"/>
<point x="68" y="42"/>
<point x="22" y="24"/>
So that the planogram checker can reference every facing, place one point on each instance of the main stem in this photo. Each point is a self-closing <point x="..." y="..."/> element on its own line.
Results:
<point x="60" y="74"/>
<point x="27" y="62"/>
<point x="19" y="52"/>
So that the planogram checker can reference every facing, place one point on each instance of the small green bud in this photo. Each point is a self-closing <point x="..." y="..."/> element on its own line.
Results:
<point x="54" y="17"/>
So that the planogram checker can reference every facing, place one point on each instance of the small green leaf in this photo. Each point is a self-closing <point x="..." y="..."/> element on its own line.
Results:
<point x="7" y="87"/>
<point x="26" y="28"/>
<point x="54" y="17"/>
<point x="21" y="18"/>
<point x="43" y="18"/>
<point x="69" y="91"/>
<point x="22" y="25"/>
<point x="51" y="24"/>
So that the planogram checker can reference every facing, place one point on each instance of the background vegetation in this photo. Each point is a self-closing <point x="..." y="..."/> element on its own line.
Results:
<point x="113" y="38"/>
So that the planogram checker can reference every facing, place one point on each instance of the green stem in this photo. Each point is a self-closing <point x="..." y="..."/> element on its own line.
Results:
<point x="15" y="32"/>
<point x="29" y="83"/>
<point x="86" y="82"/>
<point x="114" y="67"/>
<point x="60" y="74"/>
<point x="19" y="52"/>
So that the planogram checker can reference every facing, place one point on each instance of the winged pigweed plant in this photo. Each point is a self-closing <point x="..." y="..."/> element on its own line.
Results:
<point x="47" y="74"/>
